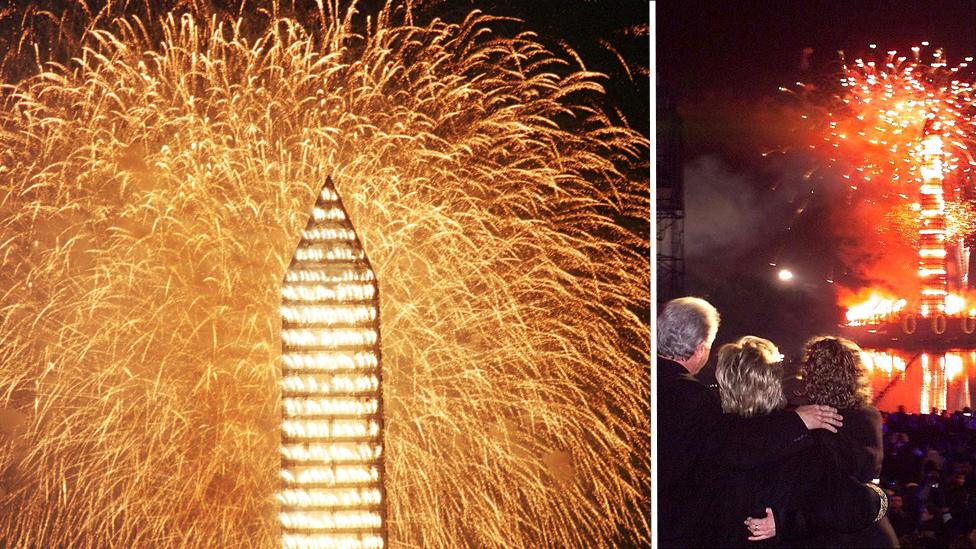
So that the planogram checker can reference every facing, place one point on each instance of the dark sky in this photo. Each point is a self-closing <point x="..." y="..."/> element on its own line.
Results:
<point x="597" y="30"/>
<point x="747" y="48"/>
<point x="722" y="62"/>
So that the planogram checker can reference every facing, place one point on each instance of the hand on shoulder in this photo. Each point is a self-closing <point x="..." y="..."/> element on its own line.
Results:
<point x="817" y="416"/>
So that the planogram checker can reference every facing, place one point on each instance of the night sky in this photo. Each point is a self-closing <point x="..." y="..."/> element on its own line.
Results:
<point x="722" y="64"/>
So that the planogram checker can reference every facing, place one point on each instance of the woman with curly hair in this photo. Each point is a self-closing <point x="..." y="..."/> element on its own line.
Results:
<point x="835" y="374"/>
<point x="809" y="498"/>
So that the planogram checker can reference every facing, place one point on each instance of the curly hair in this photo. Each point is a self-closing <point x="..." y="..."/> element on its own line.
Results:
<point x="749" y="375"/>
<point x="835" y="373"/>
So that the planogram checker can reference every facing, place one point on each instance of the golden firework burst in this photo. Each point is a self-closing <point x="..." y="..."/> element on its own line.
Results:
<point x="156" y="169"/>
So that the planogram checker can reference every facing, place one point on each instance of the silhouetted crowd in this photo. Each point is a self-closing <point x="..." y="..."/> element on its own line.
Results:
<point x="929" y="472"/>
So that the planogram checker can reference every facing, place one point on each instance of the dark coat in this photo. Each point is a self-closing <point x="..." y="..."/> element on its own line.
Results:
<point x="808" y="494"/>
<point x="693" y="435"/>
<point x="857" y="449"/>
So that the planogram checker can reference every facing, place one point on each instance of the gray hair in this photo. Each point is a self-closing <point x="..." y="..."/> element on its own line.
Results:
<point x="749" y="375"/>
<point x="684" y="324"/>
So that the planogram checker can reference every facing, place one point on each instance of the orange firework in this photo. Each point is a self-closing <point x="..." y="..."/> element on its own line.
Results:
<point x="904" y="127"/>
<point x="887" y="109"/>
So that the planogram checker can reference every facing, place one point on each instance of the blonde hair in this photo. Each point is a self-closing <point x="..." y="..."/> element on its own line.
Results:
<point x="749" y="375"/>
<point x="835" y="374"/>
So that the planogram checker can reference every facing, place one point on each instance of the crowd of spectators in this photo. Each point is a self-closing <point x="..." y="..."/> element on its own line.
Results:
<point x="929" y="471"/>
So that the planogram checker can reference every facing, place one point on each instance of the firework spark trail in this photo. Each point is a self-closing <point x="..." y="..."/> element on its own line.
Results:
<point x="152" y="191"/>
<point x="877" y="122"/>
<point x="881" y="129"/>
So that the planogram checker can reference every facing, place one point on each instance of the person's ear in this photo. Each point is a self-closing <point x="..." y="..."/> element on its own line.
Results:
<point x="701" y="349"/>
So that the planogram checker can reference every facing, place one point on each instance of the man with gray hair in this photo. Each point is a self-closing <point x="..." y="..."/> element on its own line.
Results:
<point x="692" y="431"/>
<point x="686" y="329"/>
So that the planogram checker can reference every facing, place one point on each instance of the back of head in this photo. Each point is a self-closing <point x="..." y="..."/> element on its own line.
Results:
<point x="684" y="324"/>
<point x="749" y="375"/>
<point x="835" y="373"/>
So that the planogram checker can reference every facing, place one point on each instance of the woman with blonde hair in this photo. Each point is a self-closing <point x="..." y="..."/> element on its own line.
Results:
<point x="809" y="499"/>
<point x="834" y="373"/>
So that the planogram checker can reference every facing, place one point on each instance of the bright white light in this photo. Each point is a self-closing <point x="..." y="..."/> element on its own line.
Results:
<point x="785" y="275"/>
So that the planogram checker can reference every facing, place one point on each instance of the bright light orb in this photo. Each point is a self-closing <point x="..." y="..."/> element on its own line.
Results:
<point x="785" y="275"/>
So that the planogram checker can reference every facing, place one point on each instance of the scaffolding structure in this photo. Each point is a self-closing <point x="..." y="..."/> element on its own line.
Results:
<point x="669" y="201"/>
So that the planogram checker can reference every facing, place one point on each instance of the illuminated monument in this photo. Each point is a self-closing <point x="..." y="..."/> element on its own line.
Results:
<point x="901" y="129"/>
<point x="332" y="493"/>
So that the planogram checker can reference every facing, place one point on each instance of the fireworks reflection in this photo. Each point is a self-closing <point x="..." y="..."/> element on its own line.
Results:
<point x="921" y="380"/>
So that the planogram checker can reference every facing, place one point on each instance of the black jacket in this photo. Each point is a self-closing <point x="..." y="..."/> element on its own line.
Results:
<point x="693" y="437"/>
<point x="857" y="449"/>
<point x="810" y="497"/>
